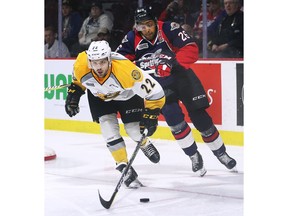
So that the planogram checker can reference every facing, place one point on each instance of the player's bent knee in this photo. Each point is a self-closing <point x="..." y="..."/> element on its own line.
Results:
<point x="133" y="130"/>
<point x="110" y="127"/>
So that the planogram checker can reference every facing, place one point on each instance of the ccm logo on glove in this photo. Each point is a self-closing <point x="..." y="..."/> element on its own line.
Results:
<point x="149" y="120"/>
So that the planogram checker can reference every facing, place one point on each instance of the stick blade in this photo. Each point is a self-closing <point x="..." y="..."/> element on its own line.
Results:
<point x="106" y="204"/>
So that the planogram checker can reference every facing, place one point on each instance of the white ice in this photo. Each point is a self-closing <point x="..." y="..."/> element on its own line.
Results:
<point x="84" y="165"/>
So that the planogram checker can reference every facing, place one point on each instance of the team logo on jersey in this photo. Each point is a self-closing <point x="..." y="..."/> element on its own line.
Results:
<point x="174" y="26"/>
<point x="136" y="74"/>
<point x="109" y="96"/>
<point x="149" y="60"/>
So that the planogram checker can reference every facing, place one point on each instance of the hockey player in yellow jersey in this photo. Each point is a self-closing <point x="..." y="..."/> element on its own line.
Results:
<point x="115" y="85"/>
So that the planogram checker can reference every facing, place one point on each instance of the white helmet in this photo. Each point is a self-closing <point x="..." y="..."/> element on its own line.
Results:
<point x="99" y="50"/>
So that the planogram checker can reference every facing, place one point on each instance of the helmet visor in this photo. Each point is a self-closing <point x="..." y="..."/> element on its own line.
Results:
<point x="145" y="25"/>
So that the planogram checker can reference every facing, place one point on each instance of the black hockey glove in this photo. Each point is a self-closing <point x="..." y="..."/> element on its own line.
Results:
<point x="72" y="100"/>
<point x="165" y="63"/>
<point x="149" y="120"/>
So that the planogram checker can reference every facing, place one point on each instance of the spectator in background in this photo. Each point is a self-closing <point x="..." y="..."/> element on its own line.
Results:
<point x="92" y="24"/>
<point x="105" y="34"/>
<point x="71" y="24"/>
<point x="52" y="45"/>
<point x="227" y="40"/>
<point x="177" y="11"/>
<point x="213" y="10"/>
<point x="51" y="10"/>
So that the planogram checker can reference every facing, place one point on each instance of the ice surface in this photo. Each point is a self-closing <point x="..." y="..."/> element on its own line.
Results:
<point x="84" y="165"/>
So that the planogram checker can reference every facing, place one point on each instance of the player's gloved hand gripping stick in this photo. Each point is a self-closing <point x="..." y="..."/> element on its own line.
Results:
<point x="149" y="121"/>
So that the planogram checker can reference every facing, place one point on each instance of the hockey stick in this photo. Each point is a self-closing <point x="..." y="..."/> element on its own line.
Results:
<point x="56" y="87"/>
<point x="149" y="71"/>
<point x="107" y="204"/>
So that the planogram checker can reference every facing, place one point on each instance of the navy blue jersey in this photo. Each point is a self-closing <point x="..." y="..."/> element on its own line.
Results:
<point x="170" y="36"/>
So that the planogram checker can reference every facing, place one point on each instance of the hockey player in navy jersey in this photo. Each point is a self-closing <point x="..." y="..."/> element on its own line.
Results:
<point x="167" y="48"/>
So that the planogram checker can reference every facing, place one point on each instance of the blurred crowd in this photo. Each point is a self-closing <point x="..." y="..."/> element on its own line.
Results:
<point x="84" y="21"/>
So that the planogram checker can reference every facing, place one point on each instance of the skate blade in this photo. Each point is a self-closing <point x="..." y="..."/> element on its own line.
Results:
<point x="202" y="172"/>
<point x="135" y="184"/>
<point x="234" y="170"/>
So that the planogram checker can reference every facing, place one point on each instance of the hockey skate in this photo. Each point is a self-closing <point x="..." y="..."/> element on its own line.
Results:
<point x="197" y="164"/>
<point x="131" y="178"/>
<point x="150" y="151"/>
<point x="227" y="161"/>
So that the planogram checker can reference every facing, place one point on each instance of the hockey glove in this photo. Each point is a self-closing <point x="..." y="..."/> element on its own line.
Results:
<point x="72" y="100"/>
<point x="165" y="63"/>
<point x="149" y="120"/>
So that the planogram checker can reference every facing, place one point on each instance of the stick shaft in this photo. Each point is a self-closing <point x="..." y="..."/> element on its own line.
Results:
<point x="107" y="204"/>
<point x="52" y="88"/>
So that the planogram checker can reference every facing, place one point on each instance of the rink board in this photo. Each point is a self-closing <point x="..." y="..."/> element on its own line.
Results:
<point x="222" y="80"/>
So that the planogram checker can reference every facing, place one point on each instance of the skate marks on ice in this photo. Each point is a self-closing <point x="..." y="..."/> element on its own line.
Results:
<point x="84" y="165"/>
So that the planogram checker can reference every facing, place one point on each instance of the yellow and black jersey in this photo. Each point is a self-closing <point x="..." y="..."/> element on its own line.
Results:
<point x="123" y="80"/>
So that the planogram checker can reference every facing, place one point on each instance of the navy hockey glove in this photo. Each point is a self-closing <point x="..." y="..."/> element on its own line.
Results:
<point x="149" y="120"/>
<point x="72" y="100"/>
<point x="165" y="63"/>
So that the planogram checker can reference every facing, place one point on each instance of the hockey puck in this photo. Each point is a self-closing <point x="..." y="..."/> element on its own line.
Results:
<point x="144" y="200"/>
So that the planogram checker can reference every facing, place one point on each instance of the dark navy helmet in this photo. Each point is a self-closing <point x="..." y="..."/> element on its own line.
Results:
<point x="143" y="14"/>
